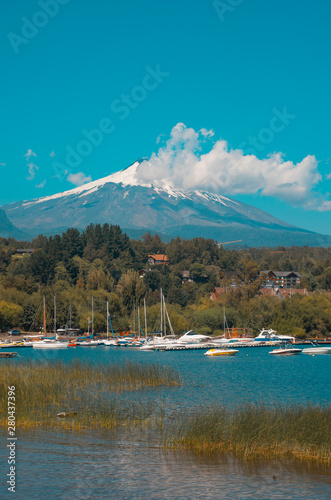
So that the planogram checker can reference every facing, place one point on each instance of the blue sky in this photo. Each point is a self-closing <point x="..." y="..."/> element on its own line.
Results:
<point x="137" y="69"/>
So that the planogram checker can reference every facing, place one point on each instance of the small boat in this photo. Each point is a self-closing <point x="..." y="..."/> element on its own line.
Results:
<point x="50" y="345"/>
<point x="97" y="342"/>
<point x="15" y="344"/>
<point x="221" y="352"/>
<point x="317" y="350"/>
<point x="271" y="336"/>
<point x="109" y="342"/>
<point x="286" y="351"/>
<point x="72" y="344"/>
<point x="191" y="337"/>
<point x="86" y="343"/>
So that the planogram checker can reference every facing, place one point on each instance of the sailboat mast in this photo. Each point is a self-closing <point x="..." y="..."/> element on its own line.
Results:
<point x="134" y="318"/>
<point x="145" y="318"/>
<point x="44" y="302"/>
<point x="107" y="319"/>
<point x="164" y="317"/>
<point x="170" y="325"/>
<point x="54" y="315"/>
<point x="138" y="323"/>
<point x="161" y="313"/>
<point x="92" y="318"/>
<point x="224" y="322"/>
<point x="70" y="315"/>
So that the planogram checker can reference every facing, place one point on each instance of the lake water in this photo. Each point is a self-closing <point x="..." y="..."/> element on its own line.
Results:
<point x="112" y="465"/>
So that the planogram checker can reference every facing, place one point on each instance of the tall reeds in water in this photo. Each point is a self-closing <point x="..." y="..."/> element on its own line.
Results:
<point x="84" y="392"/>
<point x="251" y="432"/>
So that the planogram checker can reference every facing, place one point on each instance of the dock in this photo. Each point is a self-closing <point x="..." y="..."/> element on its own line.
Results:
<point x="185" y="347"/>
<point x="195" y="347"/>
<point x="8" y="354"/>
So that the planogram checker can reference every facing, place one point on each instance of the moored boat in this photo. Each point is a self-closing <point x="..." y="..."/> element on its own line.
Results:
<point x="317" y="350"/>
<point x="221" y="352"/>
<point x="286" y="351"/>
<point x="6" y="345"/>
<point x="271" y="336"/>
<point x="52" y="344"/>
<point x="191" y="337"/>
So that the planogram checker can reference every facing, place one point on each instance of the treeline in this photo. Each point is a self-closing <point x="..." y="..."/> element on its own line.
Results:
<point x="103" y="262"/>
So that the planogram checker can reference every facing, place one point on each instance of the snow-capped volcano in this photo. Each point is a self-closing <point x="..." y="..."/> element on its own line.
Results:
<point x="127" y="177"/>
<point x="124" y="199"/>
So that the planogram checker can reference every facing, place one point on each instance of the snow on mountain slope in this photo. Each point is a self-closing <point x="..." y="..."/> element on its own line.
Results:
<point x="127" y="177"/>
<point x="122" y="199"/>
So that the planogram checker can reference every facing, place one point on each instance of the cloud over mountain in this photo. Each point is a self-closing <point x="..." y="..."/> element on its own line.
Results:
<point x="182" y="163"/>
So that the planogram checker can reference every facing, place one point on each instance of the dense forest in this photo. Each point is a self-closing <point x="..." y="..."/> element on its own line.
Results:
<point x="104" y="263"/>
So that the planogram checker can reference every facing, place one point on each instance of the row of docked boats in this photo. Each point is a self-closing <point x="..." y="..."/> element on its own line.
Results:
<point x="188" y="341"/>
<point x="166" y="340"/>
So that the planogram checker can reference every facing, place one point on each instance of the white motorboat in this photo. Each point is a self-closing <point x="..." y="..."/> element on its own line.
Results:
<point x="122" y="341"/>
<point x="221" y="352"/>
<point x="317" y="350"/>
<point x="272" y="337"/>
<point x="191" y="337"/>
<point x="286" y="351"/>
<point x="51" y="344"/>
<point x="109" y="342"/>
<point x="234" y="342"/>
<point x="158" y="342"/>
<point x="86" y="343"/>
<point x="97" y="342"/>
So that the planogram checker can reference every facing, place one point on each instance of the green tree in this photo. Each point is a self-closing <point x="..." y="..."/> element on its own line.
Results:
<point x="10" y="314"/>
<point x="152" y="280"/>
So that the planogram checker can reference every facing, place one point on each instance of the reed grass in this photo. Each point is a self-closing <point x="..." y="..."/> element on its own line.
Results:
<point x="84" y="391"/>
<point x="251" y="432"/>
<point x="102" y="397"/>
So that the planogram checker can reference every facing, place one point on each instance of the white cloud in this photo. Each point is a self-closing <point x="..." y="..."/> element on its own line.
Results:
<point x="325" y="206"/>
<point x="79" y="179"/>
<point x="52" y="154"/>
<point x="181" y="164"/>
<point x="160" y="138"/>
<point x="41" y="185"/>
<point x="207" y="133"/>
<point x="29" y="154"/>
<point x="2" y="164"/>
<point x="32" y="171"/>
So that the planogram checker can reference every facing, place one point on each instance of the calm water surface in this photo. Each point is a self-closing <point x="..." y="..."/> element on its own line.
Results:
<point x="56" y="465"/>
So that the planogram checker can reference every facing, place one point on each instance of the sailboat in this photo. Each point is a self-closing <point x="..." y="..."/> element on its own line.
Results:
<point x="50" y="342"/>
<point x="109" y="341"/>
<point x="161" y="339"/>
<point x="141" y="339"/>
<point x="92" y="341"/>
<point x="226" y="340"/>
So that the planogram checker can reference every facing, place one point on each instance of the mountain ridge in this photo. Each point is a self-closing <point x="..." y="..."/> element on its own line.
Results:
<point x="122" y="198"/>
